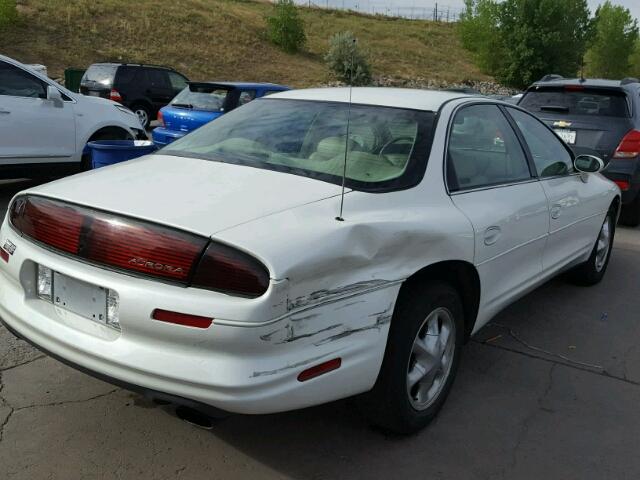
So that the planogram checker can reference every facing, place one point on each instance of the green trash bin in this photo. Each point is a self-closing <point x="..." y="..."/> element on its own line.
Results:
<point x="72" y="77"/>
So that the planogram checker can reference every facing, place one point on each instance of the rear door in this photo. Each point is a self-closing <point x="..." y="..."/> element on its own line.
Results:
<point x="158" y="88"/>
<point x="32" y="128"/>
<point x="576" y="205"/>
<point x="490" y="181"/>
<point x="595" y="118"/>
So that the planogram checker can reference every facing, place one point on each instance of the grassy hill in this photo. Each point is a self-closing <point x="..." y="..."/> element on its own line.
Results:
<point x="224" y="40"/>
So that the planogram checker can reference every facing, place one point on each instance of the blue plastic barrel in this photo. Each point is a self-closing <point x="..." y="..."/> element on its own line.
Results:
<point x="108" y="152"/>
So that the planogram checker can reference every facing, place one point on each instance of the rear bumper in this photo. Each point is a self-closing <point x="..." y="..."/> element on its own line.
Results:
<point x="162" y="136"/>
<point x="241" y="367"/>
<point x="627" y="170"/>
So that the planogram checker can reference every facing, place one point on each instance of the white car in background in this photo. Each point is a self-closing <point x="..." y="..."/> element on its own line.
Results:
<point x="44" y="127"/>
<point x="230" y="271"/>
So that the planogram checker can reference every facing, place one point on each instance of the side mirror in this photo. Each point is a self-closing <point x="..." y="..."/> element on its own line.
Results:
<point x="54" y="95"/>
<point x="588" y="163"/>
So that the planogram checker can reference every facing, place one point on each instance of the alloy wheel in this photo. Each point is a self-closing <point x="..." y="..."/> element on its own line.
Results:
<point x="604" y="244"/>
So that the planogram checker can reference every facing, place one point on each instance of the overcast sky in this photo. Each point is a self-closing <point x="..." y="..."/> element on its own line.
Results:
<point x="425" y="7"/>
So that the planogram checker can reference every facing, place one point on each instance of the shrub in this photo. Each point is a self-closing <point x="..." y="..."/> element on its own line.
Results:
<point x="8" y="12"/>
<point x="347" y="60"/>
<point x="285" y="28"/>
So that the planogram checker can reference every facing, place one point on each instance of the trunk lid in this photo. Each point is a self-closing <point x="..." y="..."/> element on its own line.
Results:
<point x="182" y="119"/>
<point x="199" y="196"/>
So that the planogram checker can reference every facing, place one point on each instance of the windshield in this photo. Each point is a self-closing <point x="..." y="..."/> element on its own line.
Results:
<point x="584" y="101"/>
<point x="387" y="148"/>
<point x="102" y="74"/>
<point x="202" y="97"/>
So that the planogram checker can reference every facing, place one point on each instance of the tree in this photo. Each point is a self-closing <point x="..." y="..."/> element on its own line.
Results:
<point x="519" y="41"/>
<point x="614" y="40"/>
<point x="285" y="28"/>
<point x="634" y="59"/>
<point x="347" y="60"/>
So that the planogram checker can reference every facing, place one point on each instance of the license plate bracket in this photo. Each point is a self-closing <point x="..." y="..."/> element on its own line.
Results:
<point x="569" y="136"/>
<point x="81" y="298"/>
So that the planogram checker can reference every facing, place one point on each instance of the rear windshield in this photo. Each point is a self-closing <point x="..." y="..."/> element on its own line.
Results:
<point x="102" y="74"/>
<point x="202" y="97"/>
<point x="387" y="147"/>
<point x="587" y="101"/>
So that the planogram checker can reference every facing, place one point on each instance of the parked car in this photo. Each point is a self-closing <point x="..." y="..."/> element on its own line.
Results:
<point x="45" y="127"/>
<point x="600" y="115"/>
<point x="201" y="102"/>
<point x="145" y="89"/>
<point x="239" y="270"/>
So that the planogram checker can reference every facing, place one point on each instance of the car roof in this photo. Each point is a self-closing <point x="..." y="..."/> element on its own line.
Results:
<point x="275" y="86"/>
<point x="428" y="100"/>
<point x="129" y="64"/>
<point x="586" y="82"/>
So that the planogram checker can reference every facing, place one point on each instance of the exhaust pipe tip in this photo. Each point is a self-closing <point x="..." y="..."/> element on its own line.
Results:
<point x="194" y="417"/>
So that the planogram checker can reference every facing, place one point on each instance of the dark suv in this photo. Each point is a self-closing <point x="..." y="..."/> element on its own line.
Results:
<point x="145" y="89"/>
<point x="600" y="115"/>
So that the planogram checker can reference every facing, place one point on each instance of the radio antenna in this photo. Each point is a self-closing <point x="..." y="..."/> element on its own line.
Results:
<point x="340" y="218"/>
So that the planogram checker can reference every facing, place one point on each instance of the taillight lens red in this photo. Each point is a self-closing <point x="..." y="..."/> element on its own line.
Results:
<point x="623" y="184"/>
<point x="115" y="95"/>
<point x="229" y="270"/>
<point x="629" y="146"/>
<point x="160" y="118"/>
<point x="182" y="318"/>
<point x="137" y="246"/>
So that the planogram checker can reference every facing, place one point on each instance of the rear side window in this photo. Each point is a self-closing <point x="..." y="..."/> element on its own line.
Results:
<point x="16" y="82"/>
<point x="246" y="96"/>
<point x="125" y="75"/>
<point x="483" y="150"/>
<point x="100" y="73"/>
<point x="157" y="78"/>
<point x="549" y="153"/>
<point x="575" y="100"/>
<point x="178" y="82"/>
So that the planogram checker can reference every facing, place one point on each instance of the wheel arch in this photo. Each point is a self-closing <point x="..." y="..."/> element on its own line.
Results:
<point x="463" y="276"/>
<point x="109" y="132"/>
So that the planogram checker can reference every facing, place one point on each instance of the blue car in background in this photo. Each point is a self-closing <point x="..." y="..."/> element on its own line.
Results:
<point x="201" y="102"/>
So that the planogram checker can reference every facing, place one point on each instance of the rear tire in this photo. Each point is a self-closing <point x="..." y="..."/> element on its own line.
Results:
<point x="592" y="271"/>
<point x="144" y="114"/>
<point x="421" y="359"/>
<point x="630" y="215"/>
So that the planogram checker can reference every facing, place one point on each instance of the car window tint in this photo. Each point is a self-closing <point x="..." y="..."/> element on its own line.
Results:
<point x="550" y="155"/>
<point x="202" y="97"/>
<point x="157" y="78"/>
<point x="576" y="100"/>
<point x="18" y="83"/>
<point x="125" y="75"/>
<point x="483" y="150"/>
<point x="178" y="82"/>
<point x="246" y="96"/>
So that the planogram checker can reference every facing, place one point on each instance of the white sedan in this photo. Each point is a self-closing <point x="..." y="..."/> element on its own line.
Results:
<point x="44" y="127"/>
<point x="231" y="270"/>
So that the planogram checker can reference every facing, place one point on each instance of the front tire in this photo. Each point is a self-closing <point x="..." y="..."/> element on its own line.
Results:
<point x="592" y="271"/>
<point x="421" y="359"/>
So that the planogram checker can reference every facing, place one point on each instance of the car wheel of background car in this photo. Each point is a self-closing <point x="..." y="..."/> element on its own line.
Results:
<point x="109" y="133"/>
<point x="592" y="271"/>
<point x="143" y="115"/>
<point x="421" y="359"/>
<point x="630" y="215"/>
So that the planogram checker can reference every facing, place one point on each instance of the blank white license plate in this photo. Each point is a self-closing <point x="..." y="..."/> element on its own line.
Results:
<point x="82" y="298"/>
<point x="569" y="136"/>
<point x="94" y="94"/>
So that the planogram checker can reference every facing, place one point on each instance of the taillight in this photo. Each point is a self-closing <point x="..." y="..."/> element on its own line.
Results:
<point x="115" y="95"/>
<point x="160" y="118"/>
<point x="629" y="146"/>
<point x="137" y="246"/>
<point x="623" y="184"/>
<point x="109" y="240"/>
<point x="226" y="269"/>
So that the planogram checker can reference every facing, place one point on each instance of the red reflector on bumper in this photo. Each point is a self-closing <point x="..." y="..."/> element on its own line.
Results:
<point x="182" y="318"/>
<point x="623" y="184"/>
<point x="4" y="255"/>
<point x="318" y="370"/>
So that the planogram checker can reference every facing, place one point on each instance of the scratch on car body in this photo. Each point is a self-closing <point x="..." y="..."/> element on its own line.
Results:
<point x="325" y="295"/>
<point x="293" y="338"/>
<point x="382" y="318"/>
<point x="288" y="367"/>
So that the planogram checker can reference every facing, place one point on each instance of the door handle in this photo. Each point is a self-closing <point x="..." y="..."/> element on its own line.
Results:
<point x="5" y="112"/>
<point x="555" y="211"/>
<point x="491" y="235"/>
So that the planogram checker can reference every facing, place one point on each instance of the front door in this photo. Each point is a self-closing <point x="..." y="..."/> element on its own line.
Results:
<point x="575" y="215"/>
<point x="32" y="128"/>
<point x="490" y="181"/>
